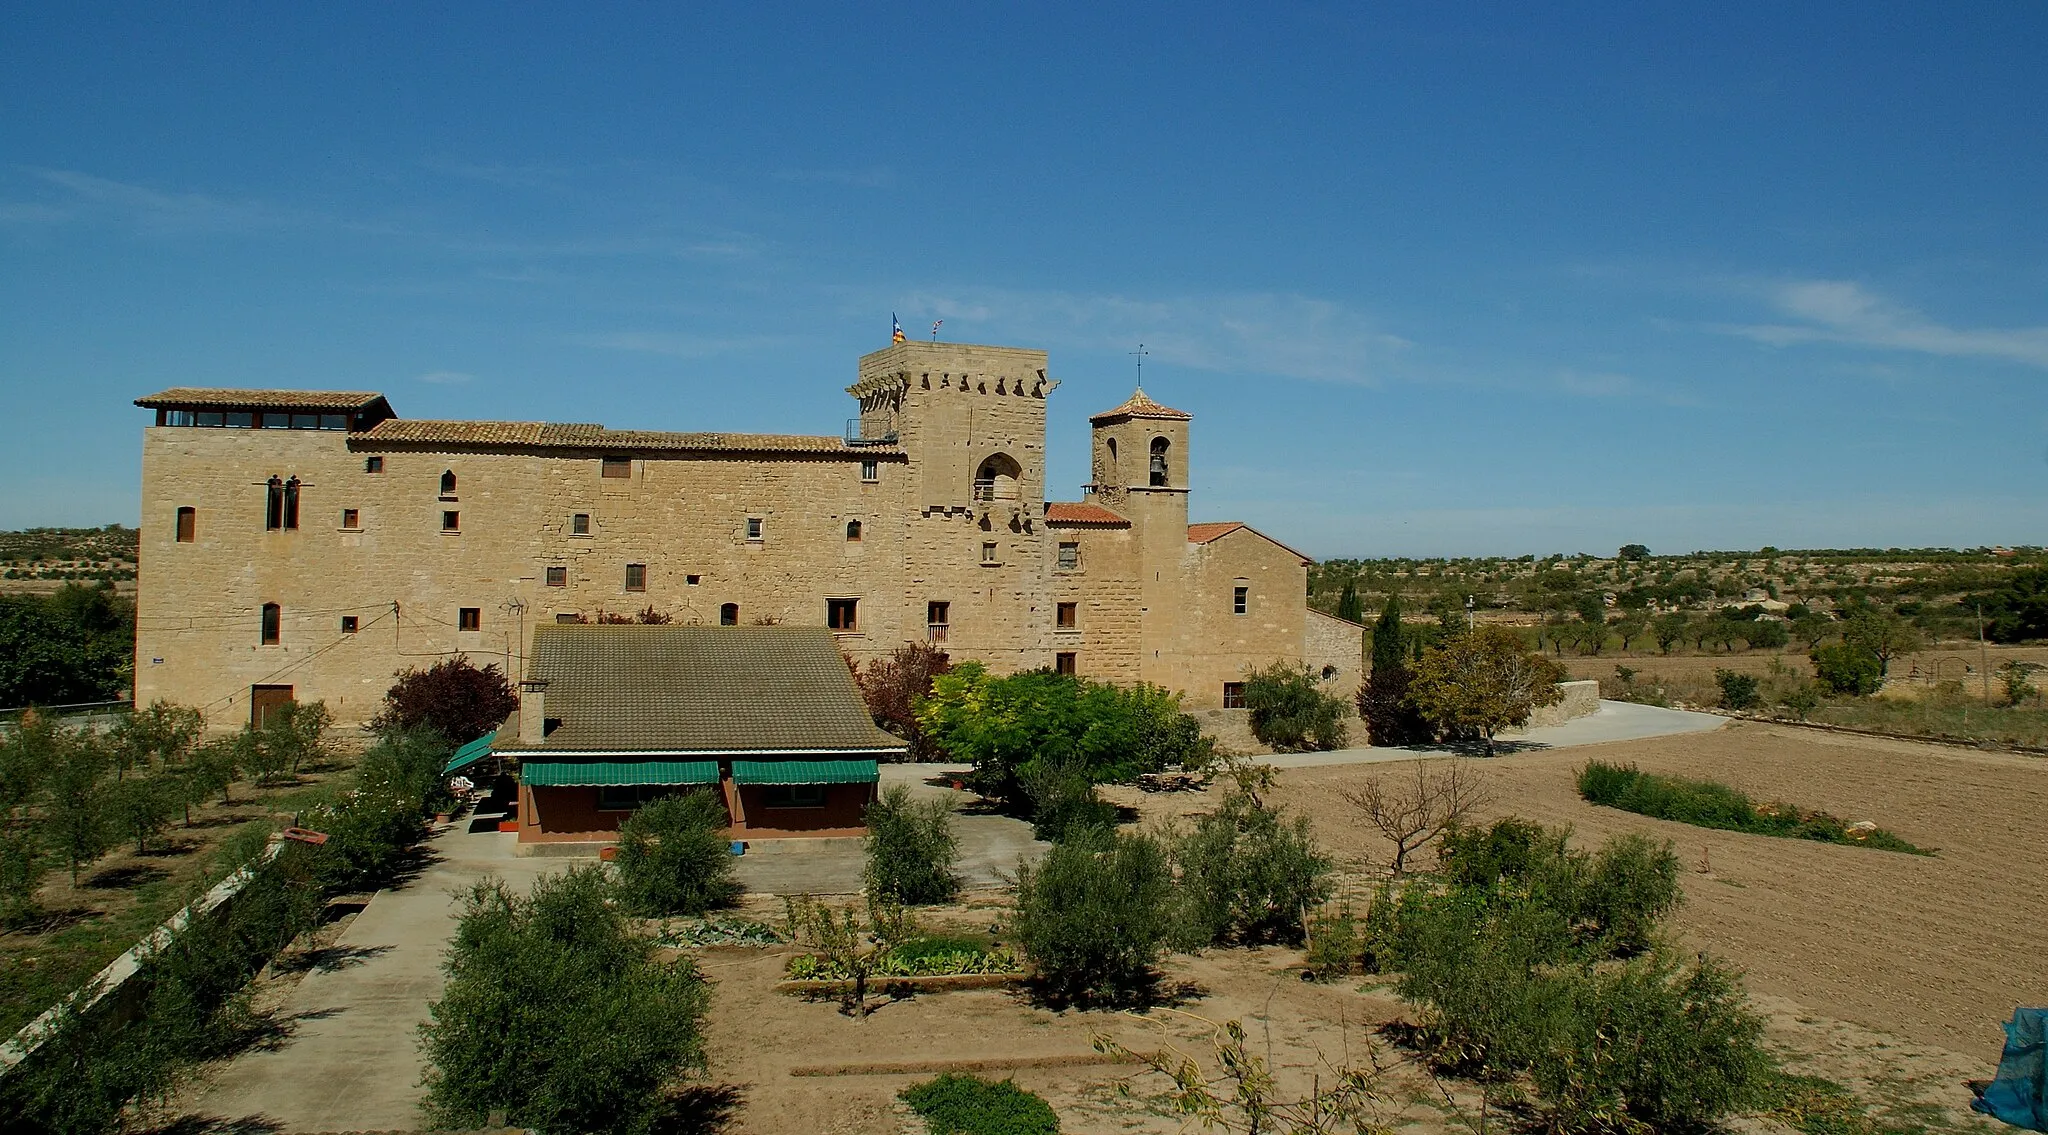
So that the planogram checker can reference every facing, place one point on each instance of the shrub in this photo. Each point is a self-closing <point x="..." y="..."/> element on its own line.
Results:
<point x="1092" y="916"/>
<point x="1801" y="700"/>
<point x="1846" y="668"/>
<point x="1245" y="875"/>
<point x="372" y="827"/>
<point x="674" y="858"/>
<point x="911" y="847"/>
<point x="893" y="686"/>
<point x="1389" y="711"/>
<point x="1709" y="804"/>
<point x="1064" y="800"/>
<point x="1738" y="690"/>
<point x="957" y="1104"/>
<point x="452" y="697"/>
<point x="1290" y="710"/>
<point x="557" y="1014"/>
<point x="1632" y="885"/>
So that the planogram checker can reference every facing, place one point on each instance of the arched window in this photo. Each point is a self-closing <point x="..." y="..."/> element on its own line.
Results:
<point x="448" y="482"/>
<point x="729" y="615"/>
<point x="273" y="624"/>
<point x="291" y="503"/>
<point x="273" y="503"/>
<point x="997" y="479"/>
<point x="1111" y="471"/>
<point x="853" y="531"/>
<point x="1159" y="446"/>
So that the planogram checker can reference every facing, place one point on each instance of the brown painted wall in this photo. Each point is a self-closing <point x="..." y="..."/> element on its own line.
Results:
<point x="571" y="815"/>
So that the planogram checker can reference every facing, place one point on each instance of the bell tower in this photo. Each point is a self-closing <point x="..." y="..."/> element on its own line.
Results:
<point x="1140" y="459"/>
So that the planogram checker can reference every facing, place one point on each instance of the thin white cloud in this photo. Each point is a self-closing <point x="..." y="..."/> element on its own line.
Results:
<point x="1259" y="333"/>
<point x="158" y="209"/>
<point x="1842" y="311"/>
<point x="871" y="177"/>
<point x="446" y="377"/>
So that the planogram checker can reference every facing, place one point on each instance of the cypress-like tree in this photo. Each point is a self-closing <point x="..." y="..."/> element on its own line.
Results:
<point x="1390" y="714"/>
<point x="1386" y="635"/>
<point x="1349" y="605"/>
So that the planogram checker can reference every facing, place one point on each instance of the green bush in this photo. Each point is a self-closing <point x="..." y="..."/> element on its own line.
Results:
<point x="372" y="827"/>
<point x="911" y="847"/>
<point x="1738" y="690"/>
<point x="1064" y="800"/>
<point x="556" y="1013"/>
<point x="1846" y="668"/>
<point x="956" y="1104"/>
<point x="1710" y="804"/>
<point x="674" y="857"/>
<point x="1631" y="885"/>
<point x="1093" y="916"/>
<point x="1245" y="875"/>
<point x="1290" y="710"/>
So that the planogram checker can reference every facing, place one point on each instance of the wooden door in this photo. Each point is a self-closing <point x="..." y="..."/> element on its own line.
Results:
<point x="264" y="699"/>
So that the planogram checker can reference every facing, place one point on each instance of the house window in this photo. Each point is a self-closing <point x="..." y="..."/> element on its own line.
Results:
<point x="1063" y="662"/>
<point x="843" y="615"/>
<point x="988" y="552"/>
<point x="937" y="620"/>
<point x="1158" y="469"/>
<point x="373" y="464"/>
<point x="1067" y="616"/>
<point x="870" y="470"/>
<point x="853" y="531"/>
<point x="1233" y="695"/>
<point x="729" y="614"/>
<point x="629" y="797"/>
<point x="188" y="524"/>
<point x="275" y="421"/>
<point x="753" y="528"/>
<point x="469" y="618"/>
<point x="1240" y="599"/>
<point x="693" y="580"/>
<point x="617" y="467"/>
<point x="1070" y="555"/>
<point x="636" y="577"/>
<point x="579" y="524"/>
<point x="451" y="522"/>
<point x="447" y="483"/>
<point x="351" y="518"/>
<point x="348" y="624"/>
<point x="273" y="503"/>
<point x="558" y="577"/>
<point x="794" y="795"/>
<point x="273" y="623"/>
<point x="291" y="504"/>
<point x="567" y="618"/>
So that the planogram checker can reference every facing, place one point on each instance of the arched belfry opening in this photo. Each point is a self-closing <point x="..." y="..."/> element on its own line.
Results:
<point x="997" y="479"/>
<point x="1158" y="466"/>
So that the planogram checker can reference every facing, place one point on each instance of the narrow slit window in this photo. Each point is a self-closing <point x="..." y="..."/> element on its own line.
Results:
<point x="188" y="524"/>
<point x="729" y="614"/>
<point x="469" y="618"/>
<point x="273" y="504"/>
<point x="636" y="577"/>
<point x="558" y="577"/>
<point x="843" y="615"/>
<point x="291" y="504"/>
<point x="1240" y="599"/>
<point x="273" y="624"/>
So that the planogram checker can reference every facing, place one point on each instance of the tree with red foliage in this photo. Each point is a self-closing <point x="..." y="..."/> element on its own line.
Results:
<point x="453" y="697"/>
<point x="893" y="685"/>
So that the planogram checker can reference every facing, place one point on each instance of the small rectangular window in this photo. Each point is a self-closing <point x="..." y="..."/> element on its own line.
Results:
<point x="628" y="797"/>
<point x="240" y="419"/>
<point x="1240" y="600"/>
<point x="793" y="795"/>
<point x="1068" y="613"/>
<point x="843" y="615"/>
<point x="558" y="577"/>
<point x="451" y="522"/>
<point x="937" y="620"/>
<point x="305" y="421"/>
<point x="188" y="524"/>
<point x="567" y="617"/>
<point x="207" y="418"/>
<point x="636" y="577"/>
<point x="988" y="552"/>
<point x="1063" y="662"/>
<point x="693" y="580"/>
<point x="619" y="467"/>
<point x="348" y="624"/>
<point x="1070" y="555"/>
<point x="373" y="464"/>
<point x="870" y="469"/>
<point x="351" y="518"/>
<point x="273" y="624"/>
<point x="579" y="524"/>
<point x="753" y="528"/>
<point x="334" y="421"/>
<point x="469" y="618"/>
<point x="729" y="614"/>
<point x="272" y="421"/>
<point x="1233" y="695"/>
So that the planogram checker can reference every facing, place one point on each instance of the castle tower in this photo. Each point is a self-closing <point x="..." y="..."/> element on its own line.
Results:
<point x="1141" y="471"/>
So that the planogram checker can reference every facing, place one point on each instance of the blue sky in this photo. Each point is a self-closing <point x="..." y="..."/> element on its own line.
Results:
<point x="1434" y="279"/>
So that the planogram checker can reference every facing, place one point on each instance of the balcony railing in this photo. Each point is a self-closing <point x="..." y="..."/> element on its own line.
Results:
<point x="935" y="632"/>
<point x="865" y="431"/>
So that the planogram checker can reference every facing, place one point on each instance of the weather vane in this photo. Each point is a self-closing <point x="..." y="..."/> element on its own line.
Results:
<point x="1141" y="352"/>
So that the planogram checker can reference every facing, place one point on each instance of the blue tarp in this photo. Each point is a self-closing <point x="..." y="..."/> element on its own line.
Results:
<point x="2019" y="1095"/>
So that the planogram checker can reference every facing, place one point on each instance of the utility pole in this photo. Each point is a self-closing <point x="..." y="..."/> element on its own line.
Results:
<point x="1983" y="654"/>
<point x="1468" y="613"/>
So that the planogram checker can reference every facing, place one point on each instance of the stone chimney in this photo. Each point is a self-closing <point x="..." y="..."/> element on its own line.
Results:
<point x="533" y="711"/>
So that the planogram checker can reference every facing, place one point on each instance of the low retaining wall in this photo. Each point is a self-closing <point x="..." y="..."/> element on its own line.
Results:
<point x="1581" y="699"/>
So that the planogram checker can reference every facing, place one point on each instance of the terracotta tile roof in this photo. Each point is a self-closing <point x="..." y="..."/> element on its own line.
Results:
<point x="1081" y="512"/>
<point x="1216" y="530"/>
<point x="1140" y="406"/>
<point x="558" y="435"/>
<point x="179" y="397"/>
<point x="771" y="691"/>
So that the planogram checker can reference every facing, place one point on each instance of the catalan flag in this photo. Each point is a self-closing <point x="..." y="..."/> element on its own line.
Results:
<point x="895" y="329"/>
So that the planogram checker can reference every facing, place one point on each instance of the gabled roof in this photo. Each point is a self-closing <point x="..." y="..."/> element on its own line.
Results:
<point x="569" y="435"/>
<point x="331" y="401"/>
<point x="1213" y="531"/>
<point x="1140" y="406"/>
<point x="766" y="691"/>
<point x="1082" y="512"/>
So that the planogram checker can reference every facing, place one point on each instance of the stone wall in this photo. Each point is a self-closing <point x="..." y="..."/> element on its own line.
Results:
<point x="1580" y="700"/>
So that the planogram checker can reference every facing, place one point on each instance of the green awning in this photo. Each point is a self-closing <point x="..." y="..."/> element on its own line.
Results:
<point x="805" y="772"/>
<point x="470" y="754"/>
<point x="609" y="774"/>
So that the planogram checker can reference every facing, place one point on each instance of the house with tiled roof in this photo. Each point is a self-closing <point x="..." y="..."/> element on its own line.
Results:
<point x="307" y="545"/>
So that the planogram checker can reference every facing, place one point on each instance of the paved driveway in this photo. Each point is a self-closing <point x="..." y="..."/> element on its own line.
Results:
<point x="1613" y="721"/>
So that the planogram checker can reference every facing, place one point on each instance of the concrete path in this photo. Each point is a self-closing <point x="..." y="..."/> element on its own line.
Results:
<point x="351" y="1059"/>
<point x="1613" y="721"/>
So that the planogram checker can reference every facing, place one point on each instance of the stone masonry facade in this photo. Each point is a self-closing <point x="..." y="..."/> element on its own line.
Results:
<point x="309" y="545"/>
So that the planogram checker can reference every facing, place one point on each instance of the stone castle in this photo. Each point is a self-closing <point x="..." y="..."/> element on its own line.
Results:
<point x="302" y="545"/>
